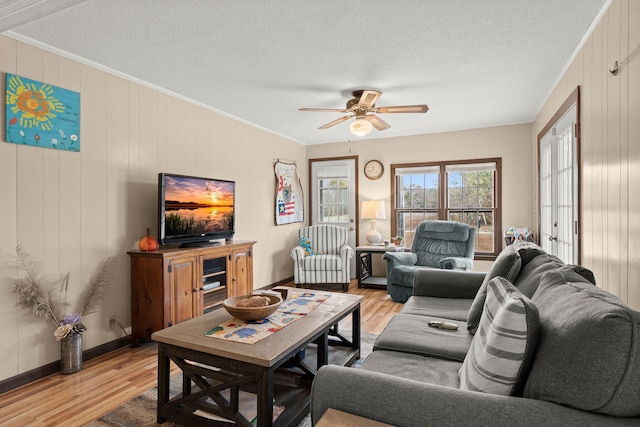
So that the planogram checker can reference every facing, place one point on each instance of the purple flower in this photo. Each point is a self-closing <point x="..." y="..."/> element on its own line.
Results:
<point x="70" y="319"/>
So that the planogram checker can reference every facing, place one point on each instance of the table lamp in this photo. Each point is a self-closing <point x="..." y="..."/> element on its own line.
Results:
<point x="372" y="210"/>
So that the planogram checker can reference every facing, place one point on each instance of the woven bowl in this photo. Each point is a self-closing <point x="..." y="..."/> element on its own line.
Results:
<point x="251" y="313"/>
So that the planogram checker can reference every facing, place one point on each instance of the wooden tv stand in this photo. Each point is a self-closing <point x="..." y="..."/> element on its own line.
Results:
<point x="171" y="285"/>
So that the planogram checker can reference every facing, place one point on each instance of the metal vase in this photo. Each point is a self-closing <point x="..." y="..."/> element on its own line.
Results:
<point x="71" y="354"/>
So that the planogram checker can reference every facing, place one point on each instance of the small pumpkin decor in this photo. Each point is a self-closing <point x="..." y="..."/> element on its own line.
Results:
<point x="148" y="243"/>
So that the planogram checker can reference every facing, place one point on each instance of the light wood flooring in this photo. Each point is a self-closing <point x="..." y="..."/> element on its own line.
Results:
<point x="108" y="381"/>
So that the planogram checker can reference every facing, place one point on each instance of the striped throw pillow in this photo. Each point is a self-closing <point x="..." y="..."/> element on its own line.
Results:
<point x="501" y="352"/>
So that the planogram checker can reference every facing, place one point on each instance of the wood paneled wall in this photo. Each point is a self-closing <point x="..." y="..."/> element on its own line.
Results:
<point x="610" y="142"/>
<point x="72" y="210"/>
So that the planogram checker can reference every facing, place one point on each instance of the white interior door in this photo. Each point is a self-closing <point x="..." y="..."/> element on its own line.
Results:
<point x="334" y="197"/>
<point x="559" y="189"/>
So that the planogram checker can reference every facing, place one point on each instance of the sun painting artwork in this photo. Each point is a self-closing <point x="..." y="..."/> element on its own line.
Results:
<point x="42" y="115"/>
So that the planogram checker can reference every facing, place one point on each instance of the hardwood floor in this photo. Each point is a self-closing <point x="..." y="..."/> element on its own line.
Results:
<point x="110" y="380"/>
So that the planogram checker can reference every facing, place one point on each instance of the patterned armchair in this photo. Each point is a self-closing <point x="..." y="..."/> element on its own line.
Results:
<point x="323" y="256"/>
<point x="436" y="245"/>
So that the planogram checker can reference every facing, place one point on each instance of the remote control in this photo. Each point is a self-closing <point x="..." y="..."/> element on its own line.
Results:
<point x="443" y="325"/>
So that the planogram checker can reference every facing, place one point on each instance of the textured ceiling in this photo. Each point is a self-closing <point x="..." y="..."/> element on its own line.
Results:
<point x="476" y="63"/>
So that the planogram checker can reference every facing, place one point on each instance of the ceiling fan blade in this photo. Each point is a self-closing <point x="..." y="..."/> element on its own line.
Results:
<point x="368" y="98"/>
<point x="377" y="122"/>
<point x="403" y="109"/>
<point x="327" y="110"/>
<point x="335" y="122"/>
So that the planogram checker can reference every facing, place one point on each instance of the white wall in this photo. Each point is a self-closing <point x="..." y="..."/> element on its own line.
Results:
<point x="72" y="210"/>
<point x="511" y="143"/>
<point x="610" y="161"/>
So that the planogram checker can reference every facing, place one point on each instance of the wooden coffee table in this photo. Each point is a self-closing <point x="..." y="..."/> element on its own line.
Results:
<point x="274" y="368"/>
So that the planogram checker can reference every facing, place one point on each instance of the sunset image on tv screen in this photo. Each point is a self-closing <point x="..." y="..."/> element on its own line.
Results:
<point x="194" y="205"/>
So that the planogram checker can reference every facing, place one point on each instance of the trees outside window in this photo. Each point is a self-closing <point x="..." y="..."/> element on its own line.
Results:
<point x="463" y="191"/>
<point x="334" y="200"/>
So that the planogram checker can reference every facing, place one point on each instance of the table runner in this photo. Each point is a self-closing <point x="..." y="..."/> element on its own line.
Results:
<point x="249" y="332"/>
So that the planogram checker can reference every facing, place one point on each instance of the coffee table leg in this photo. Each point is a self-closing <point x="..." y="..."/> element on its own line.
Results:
<point x="355" y="327"/>
<point x="323" y="350"/>
<point x="163" y="381"/>
<point x="186" y="385"/>
<point x="265" y="399"/>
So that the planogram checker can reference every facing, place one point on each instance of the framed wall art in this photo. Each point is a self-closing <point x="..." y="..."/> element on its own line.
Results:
<point x="289" y="197"/>
<point x="41" y="115"/>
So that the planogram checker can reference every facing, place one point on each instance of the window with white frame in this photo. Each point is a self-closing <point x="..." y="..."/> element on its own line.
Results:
<point x="463" y="191"/>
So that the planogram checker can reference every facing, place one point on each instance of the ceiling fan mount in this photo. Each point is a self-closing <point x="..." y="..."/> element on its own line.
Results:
<point x="363" y="106"/>
<point x="363" y="100"/>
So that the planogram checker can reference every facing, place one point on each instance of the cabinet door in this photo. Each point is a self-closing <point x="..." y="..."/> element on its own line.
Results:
<point x="184" y="290"/>
<point x="242" y="270"/>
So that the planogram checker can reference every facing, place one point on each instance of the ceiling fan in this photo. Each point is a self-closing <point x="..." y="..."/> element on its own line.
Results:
<point x="362" y="107"/>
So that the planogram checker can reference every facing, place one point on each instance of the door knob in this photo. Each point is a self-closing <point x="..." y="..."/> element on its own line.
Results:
<point x="351" y="228"/>
<point x="553" y="238"/>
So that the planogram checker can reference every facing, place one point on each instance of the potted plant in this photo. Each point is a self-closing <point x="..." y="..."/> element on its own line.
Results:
<point x="398" y="240"/>
<point x="46" y="300"/>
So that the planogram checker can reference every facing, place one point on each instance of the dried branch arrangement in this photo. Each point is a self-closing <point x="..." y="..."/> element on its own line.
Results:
<point x="46" y="298"/>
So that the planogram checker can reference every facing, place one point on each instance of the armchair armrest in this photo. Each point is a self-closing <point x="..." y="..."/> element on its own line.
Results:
<point x="456" y="263"/>
<point x="447" y="283"/>
<point x="395" y="259"/>
<point x="346" y="252"/>
<point x="409" y="403"/>
<point x="297" y="253"/>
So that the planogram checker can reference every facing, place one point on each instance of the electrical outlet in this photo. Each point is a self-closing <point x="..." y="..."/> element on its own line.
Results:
<point x="111" y="322"/>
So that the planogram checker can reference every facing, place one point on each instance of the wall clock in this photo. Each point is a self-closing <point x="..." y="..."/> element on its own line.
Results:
<point x="373" y="169"/>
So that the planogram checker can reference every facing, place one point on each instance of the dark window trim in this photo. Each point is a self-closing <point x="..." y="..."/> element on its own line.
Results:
<point x="483" y="256"/>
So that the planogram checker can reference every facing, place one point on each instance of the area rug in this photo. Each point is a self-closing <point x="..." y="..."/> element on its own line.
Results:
<point x="141" y="410"/>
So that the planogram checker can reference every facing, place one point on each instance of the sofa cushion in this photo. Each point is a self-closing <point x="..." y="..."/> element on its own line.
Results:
<point x="442" y="308"/>
<point x="414" y="367"/>
<point x="411" y="333"/>
<point x="502" y="350"/>
<point x="530" y="275"/>
<point x="588" y="355"/>
<point x="508" y="265"/>
<point x="584" y="272"/>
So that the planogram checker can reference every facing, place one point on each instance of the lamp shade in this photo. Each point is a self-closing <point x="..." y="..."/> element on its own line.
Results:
<point x="373" y="209"/>
<point x="360" y="127"/>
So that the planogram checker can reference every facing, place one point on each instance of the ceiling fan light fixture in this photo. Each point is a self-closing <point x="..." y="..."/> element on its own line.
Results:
<point x="363" y="107"/>
<point x="360" y="127"/>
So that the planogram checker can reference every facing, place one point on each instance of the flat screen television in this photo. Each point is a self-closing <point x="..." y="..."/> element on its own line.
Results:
<point x="195" y="211"/>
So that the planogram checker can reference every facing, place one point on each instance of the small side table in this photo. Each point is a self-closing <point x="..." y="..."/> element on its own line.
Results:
<point x="365" y="267"/>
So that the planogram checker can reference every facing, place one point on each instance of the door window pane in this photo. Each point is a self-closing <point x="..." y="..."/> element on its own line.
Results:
<point x="333" y="199"/>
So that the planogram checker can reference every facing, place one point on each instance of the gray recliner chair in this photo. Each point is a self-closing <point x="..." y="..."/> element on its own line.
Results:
<point x="436" y="245"/>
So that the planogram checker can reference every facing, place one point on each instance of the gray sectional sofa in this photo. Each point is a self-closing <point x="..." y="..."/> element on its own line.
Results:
<point x="538" y="344"/>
